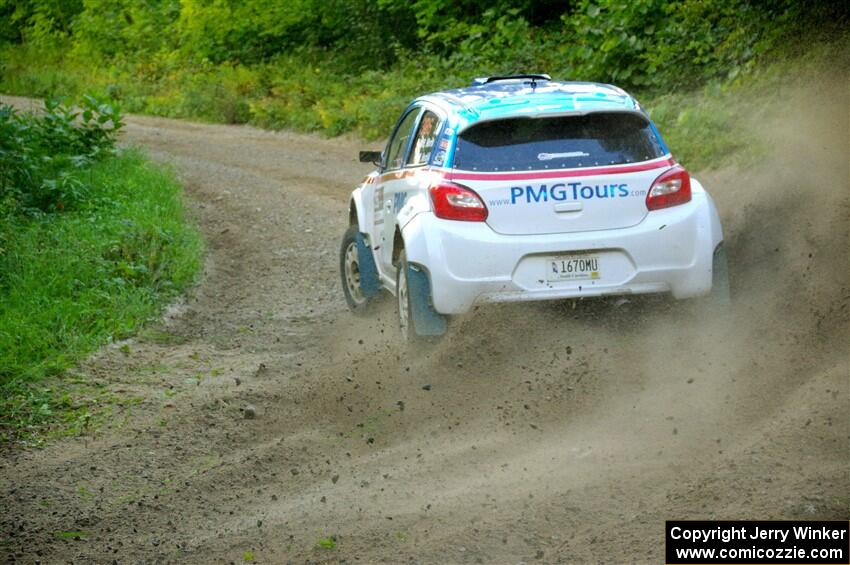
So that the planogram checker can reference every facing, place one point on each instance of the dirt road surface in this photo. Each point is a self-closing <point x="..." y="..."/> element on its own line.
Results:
<point x="532" y="433"/>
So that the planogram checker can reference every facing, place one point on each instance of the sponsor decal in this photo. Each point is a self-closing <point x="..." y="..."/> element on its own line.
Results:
<point x="378" y="201"/>
<point x="399" y="198"/>
<point x="561" y="192"/>
<point x="570" y="154"/>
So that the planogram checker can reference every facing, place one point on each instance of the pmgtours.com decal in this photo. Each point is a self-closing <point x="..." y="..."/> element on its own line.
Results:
<point x="560" y="192"/>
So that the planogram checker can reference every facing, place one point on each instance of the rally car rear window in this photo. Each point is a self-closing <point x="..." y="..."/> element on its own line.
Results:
<point x="557" y="143"/>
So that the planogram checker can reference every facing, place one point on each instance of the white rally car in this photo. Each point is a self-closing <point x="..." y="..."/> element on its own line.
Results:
<point x="522" y="188"/>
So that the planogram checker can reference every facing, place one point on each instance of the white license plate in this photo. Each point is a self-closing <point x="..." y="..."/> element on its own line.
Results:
<point x="573" y="267"/>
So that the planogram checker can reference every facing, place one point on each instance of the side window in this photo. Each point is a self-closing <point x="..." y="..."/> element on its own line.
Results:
<point x="426" y="135"/>
<point x="397" y="145"/>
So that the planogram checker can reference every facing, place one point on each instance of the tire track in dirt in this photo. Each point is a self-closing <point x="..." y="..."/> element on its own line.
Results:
<point x="546" y="428"/>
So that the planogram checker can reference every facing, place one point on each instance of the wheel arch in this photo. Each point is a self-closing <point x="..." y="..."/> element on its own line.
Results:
<point x="356" y="210"/>
<point x="398" y="245"/>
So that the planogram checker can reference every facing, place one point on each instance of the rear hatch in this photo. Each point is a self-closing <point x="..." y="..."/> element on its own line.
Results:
<point x="561" y="174"/>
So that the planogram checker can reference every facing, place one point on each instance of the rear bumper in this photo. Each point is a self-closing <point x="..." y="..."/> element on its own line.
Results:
<point x="669" y="251"/>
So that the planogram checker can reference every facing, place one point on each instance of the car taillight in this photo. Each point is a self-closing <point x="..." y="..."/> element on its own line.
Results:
<point x="670" y="189"/>
<point x="455" y="202"/>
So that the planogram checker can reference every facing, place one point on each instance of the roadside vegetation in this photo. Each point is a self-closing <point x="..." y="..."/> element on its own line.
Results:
<point x="93" y="241"/>
<point x="336" y="66"/>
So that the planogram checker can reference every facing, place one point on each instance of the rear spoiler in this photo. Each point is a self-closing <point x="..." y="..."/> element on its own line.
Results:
<point x="479" y="81"/>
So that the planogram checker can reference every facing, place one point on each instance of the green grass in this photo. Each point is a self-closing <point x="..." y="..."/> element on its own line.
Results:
<point x="73" y="281"/>
<point x="72" y="535"/>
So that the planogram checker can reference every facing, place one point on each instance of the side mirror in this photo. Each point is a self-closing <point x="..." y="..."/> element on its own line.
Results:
<point x="373" y="157"/>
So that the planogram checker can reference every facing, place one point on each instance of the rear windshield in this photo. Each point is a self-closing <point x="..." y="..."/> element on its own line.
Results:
<point x="557" y="143"/>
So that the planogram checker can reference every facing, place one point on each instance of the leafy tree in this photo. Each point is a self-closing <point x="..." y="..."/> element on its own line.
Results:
<point x="36" y="20"/>
<point x="137" y="28"/>
<point x="680" y="43"/>
<point x="363" y="33"/>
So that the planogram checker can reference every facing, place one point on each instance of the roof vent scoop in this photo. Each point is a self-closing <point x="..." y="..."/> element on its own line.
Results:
<point x="480" y="81"/>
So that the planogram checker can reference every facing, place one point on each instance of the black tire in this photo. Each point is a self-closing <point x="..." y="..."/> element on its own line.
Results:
<point x="349" y="268"/>
<point x="402" y="292"/>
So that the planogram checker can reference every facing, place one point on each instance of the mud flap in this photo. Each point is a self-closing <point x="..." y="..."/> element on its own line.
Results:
<point x="720" y="291"/>
<point x="426" y="320"/>
<point x="369" y="283"/>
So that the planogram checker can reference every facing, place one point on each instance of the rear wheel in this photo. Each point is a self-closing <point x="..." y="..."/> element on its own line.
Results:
<point x="417" y="320"/>
<point x="403" y="296"/>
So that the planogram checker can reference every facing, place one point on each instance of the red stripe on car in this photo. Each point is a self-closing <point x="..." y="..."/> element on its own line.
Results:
<point x="612" y="170"/>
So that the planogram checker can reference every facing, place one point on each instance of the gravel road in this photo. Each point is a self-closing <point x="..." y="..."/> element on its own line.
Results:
<point x="554" y="432"/>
